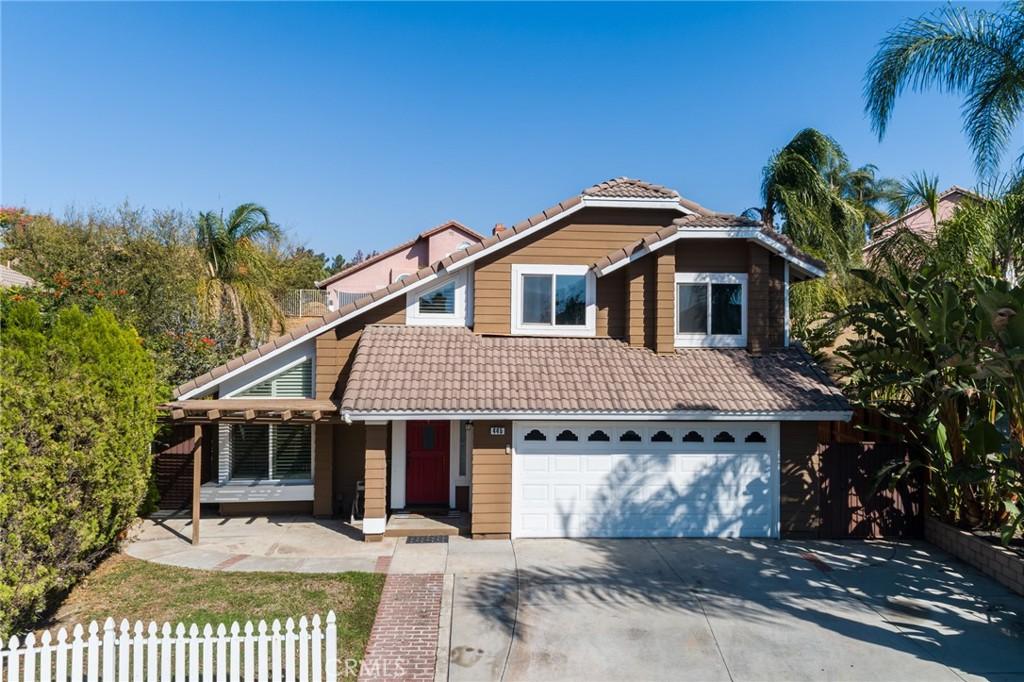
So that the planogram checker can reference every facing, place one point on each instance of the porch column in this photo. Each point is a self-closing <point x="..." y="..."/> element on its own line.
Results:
<point x="375" y="479"/>
<point x="323" y="471"/>
<point x="197" y="475"/>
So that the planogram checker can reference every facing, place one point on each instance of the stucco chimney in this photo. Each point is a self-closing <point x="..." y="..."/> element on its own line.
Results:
<point x="498" y="227"/>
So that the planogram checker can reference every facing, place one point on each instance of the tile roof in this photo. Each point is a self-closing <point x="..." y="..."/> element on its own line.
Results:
<point x="451" y="369"/>
<point x="707" y="222"/>
<point x="9" y="277"/>
<point x="623" y="187"/>
<point x="423" y="273"/>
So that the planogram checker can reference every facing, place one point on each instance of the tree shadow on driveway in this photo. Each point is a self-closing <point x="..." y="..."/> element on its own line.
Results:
<point x="772" y="609"/>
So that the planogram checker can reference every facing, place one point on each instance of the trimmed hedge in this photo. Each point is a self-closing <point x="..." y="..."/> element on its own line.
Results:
<point x="78" y="396"/>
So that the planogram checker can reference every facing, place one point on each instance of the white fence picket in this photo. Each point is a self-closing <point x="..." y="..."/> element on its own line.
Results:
<point x="297" y="651"/>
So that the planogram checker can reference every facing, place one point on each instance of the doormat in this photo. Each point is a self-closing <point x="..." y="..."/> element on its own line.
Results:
<point x="424" y="539"/>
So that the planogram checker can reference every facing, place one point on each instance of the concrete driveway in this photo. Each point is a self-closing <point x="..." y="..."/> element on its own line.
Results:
<point x="720" y="610"/>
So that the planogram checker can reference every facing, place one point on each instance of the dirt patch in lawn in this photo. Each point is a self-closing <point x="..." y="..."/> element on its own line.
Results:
<point x="123" y="587"/>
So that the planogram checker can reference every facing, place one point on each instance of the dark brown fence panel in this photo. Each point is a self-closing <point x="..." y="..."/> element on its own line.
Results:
<point x="172" y="465"/>
<point x="853" y="506"/>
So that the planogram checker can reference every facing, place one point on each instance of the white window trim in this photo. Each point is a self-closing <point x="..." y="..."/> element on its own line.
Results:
<point x="457" y="318"/>
<point x="532" y="329"/>
<point x="691" y="340"/>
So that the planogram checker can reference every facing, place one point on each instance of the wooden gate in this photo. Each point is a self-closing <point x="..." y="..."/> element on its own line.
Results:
<point x="172" y="465"/>
<point x="853" y="506"/>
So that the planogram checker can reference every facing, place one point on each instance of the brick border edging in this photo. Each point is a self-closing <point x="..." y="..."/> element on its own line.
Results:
<point x="403" y="641"/>
<point x="1000" y="564"/>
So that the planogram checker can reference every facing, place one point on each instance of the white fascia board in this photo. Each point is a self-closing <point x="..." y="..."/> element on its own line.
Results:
<point x="611" y="202"/>
<point x="458" y="265"/>
<point x="199" y="390"/>
<point x="672" y="204"/>
<point x="730" y="233"/>
<point x="695" y="415"/>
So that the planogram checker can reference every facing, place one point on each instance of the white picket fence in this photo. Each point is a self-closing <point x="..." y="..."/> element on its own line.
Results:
<point x="306" y="653"/>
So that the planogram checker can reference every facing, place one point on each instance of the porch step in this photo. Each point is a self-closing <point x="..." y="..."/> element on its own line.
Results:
<point x="417" y="525"/>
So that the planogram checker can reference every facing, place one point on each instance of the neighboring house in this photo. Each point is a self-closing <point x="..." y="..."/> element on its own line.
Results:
<point x="617" y="365"/>
<point x="919" y="219"/>
<point x="9" y="277"/>
<point x="405" y="259"/>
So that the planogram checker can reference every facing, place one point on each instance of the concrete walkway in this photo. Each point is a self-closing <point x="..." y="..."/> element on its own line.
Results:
<point x="277" y="544"/>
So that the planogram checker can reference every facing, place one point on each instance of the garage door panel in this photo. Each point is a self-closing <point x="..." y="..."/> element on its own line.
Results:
<point x="648" y="488"/>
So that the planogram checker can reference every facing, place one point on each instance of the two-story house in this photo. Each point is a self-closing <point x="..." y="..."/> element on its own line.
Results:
<point x="617" y="365"/>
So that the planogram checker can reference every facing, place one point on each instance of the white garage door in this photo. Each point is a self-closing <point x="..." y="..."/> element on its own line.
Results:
<point x="681" y="479"/>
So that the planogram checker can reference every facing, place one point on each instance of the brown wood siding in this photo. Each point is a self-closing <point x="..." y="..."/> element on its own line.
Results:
<point x="376" y="470"/>
<point x="711" y="255"/>
<point x="777" y="302"/>
<point x="799" y="505"/>
<point x="580" y="239"/>
<point x="635" y="278"/>
<point x="323" y="470"/>
<point x="349" y="441"/>
<point x="758" y="308"/>
<point x="335" y="348"/>
<point x="664" y="318"/>
<point x="611" y="305"/>
<point x="491" y="488"/>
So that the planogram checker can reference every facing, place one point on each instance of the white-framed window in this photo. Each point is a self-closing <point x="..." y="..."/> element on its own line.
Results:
<point x="553" y="300"/>
<point x="442" y="303"/>
<point x="268" y="452"/>
<point x="711" y="309"/>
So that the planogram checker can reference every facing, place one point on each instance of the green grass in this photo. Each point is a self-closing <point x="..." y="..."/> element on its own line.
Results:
<point x="122" y="587"/>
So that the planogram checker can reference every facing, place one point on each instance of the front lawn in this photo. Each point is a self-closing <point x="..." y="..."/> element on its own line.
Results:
<point x="123" y="587"/>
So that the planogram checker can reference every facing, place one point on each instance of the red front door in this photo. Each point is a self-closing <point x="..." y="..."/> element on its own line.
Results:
<point x="426" y="463"/>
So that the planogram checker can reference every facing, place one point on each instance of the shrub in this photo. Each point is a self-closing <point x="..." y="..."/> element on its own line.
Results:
<point x="78" y="413"/>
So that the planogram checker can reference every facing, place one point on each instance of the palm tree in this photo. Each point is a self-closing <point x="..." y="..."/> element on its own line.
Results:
<point x="873" y="195"/>
<point x="799" y="186"/>
<point x="237" y="281"/>
<point x="919" y="188"/>
<point x="975" y="53"/>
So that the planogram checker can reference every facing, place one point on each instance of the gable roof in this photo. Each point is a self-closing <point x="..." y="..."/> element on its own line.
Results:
<point x="880" y="232"/>
<point x="420" y="371"/>
<point x="426" y="234"/>
<point x="732" y="225"/>
<point x="9" y="277"/>
<point x="451" y="262"/>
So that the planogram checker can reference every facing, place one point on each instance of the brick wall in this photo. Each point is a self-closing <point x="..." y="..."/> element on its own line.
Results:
<point x="1002" y="565"/>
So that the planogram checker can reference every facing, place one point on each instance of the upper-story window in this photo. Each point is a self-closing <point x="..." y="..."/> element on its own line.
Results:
<point x="711" y="309"/>
<point x="553" y="300"/>
<point x="441" y="304"/>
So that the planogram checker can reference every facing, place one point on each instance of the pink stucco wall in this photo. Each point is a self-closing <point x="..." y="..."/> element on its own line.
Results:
<point x="407" y="261"/>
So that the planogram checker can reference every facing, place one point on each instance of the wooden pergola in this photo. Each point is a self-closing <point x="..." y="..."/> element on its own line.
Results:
<point x="239" y="411"/>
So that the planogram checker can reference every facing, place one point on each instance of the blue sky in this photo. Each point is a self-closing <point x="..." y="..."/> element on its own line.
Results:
<point x="358" y="125"/>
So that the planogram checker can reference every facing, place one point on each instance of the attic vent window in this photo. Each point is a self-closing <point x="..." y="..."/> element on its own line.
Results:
<point x="755" y="437"/>
<point x="598" y="436"/>
<point x="630" y="437"/>
<point x="535" y="435"/>
<point x="440" y="301"/>
<point x="567" y="435"/>
<point x="693" y="437"/>
<point x="725" y="437"/>
<point x="661" y="437"/>
<point x="293" y="382"/>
